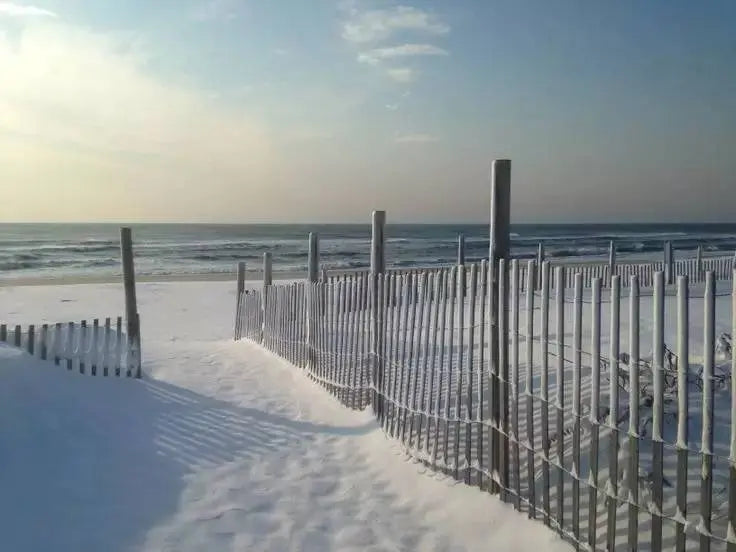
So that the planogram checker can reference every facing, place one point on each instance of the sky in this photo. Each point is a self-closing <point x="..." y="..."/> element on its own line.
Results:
<point x="323" y="110"/>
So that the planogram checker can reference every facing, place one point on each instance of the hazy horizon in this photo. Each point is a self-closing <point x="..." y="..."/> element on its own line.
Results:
<point x="242" y="112"/>
<point x="367" y="223"/>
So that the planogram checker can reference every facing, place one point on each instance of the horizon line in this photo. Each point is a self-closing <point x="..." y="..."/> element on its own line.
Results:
<point x="367" y="223"/>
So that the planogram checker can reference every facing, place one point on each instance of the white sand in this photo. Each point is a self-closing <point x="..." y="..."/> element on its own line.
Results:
<point x="222" y="447"/>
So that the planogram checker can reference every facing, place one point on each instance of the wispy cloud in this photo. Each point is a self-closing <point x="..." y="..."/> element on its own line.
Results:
<point x="363" y="28"/>
<point x="402" y="74"/>
<point x="418" y="138"/>
<point x="377" y="55"/>
<point x="11" y="9"/>
<point x="374" y="25"/>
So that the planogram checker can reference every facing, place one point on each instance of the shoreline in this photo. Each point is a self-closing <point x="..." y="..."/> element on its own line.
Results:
<point x="257" y="275"/>
<point x="140" y="278"/>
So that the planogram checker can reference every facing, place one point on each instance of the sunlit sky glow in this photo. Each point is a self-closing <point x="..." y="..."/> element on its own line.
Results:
<point x="322" y="110"/>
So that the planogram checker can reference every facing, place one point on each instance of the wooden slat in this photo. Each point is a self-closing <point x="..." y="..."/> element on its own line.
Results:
<point x="44" y="341"/>
<point x="118" y="344"/>
<point x="411" y="354"/>
<point x="342" y="330"/>
<point x="441" y="380"/>
<point x="106" y="349"/>
<point x="94" y="345"/>
<point x="613" y="409"/>
<point x="452" y="291"/>
<point x="57" y="342"/>
<point x="706" y="450"/>
<point x="323" y="325"/>
<point x="357" y="331"/>
<point x="333" y="310"/>
<point x="634" y="390"/>
<point x="514" y="397"/>
<point x="31" y="342"/>
<point x="529" y="386"/>
<point x="657" y="410"/>
<point x="402" y="358"/>
<point x="576" y="411"/>
<point x="560" y="399"/>
<point x="432" y="403"/>
<point x="544" y="389"/>
<point x="683" y="356"/>
<point x="732" y="449"/>
<point x="388" y="303"/>
<point x="427" y="322"/>
<point x="459" y="371"/>
<point x="83" y="349"/>
<point x="473" y="290"/>
<point x="415" y="366"/>
<point x="595" y="389"/>
<point x="481" y="374"/>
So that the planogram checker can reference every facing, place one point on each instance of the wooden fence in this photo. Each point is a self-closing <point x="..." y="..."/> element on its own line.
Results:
<point x="94" y="349"/>
<point x="528" y="381"/>
<point x="90" y="348"/>
<point x="695" y="269"/>
<point x="607" y="467"/>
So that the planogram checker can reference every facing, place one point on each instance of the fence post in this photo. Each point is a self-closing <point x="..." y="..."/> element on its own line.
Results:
<point x="611" y="261"/>
<point x="313" y="258"/>
<point x="699" y="264"/>
<point x="460" y="249"/>
<point x="267" y="281"/>
<point x="239" y="298"/>
<point x="461" y="261"/>
<point x="540" y="260"/>
<point x="669" y="263"/>
<point x="500" y="245"/>
<point x="378" y="265"/>
<point x="132" y="318"/>
<point x="312" y="277"/>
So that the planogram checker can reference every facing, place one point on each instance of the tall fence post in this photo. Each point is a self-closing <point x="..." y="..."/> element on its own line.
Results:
<point x="499" y="249"/>
<point x="699" y="264"/>
<point x="540" y="261"/>
<point x="313" y="258"/>
<point x="611" y="261"/>
<point x="461" y="261"/>
<point x="669" y="263"/>
<point x="132" y="319"/>
<point x="239" y="298"/>
<point x="312" y="278"/>
<point x="378" y="252"/>
<point x="378" y="265"/>
<point x="267" y="281"/>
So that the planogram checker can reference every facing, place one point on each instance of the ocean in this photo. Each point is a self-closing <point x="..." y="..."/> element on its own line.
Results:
<point x="84" y="250"/>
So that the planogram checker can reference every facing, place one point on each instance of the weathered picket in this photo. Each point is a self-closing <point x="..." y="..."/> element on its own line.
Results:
<point x="99" y="350"/>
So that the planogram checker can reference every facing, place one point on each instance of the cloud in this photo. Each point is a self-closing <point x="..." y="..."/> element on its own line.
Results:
<point x="375" y="25"/>
<point x="402" y="74"/>
<point x="392" y="107"/>
<point x="377" y="55"/>
<point x="11" y="9"/>
<point x="418" y="138"/>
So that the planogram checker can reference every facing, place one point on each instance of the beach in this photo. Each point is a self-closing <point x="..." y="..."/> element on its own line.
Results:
<point x="221" y="446"/>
